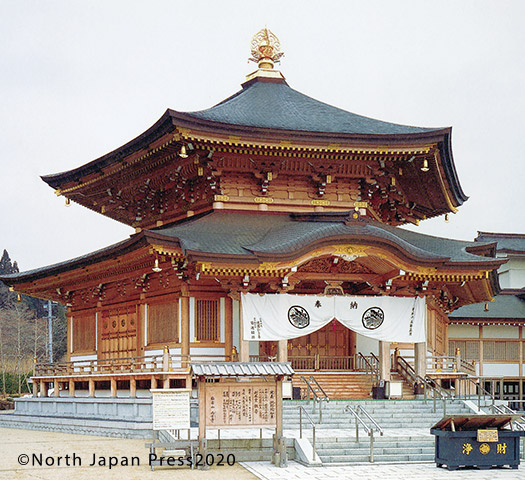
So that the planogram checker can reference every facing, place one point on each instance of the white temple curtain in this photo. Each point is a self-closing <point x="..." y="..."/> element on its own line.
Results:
<point x="285" y="316"/>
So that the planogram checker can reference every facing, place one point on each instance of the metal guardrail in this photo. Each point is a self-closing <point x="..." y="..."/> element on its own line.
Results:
<point x="368" y="429"/>
<point x="301" y="410"/>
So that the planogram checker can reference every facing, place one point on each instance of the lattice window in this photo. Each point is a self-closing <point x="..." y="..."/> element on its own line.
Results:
<point x="84" y="332"/>
<point x="471" y="350"/>
<point x="453" y="344"/>
<point x="207" y="321"/>
<point x="163" y="322"/>
<point x="488" y="351"/>
<point x="501" y="351"/>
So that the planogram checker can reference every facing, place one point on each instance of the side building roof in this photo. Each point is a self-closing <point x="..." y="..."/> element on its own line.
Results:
<point x="506" y="242"/>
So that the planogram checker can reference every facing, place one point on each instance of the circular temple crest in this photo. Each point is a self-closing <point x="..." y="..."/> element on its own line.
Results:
<point x="266" y="49"/>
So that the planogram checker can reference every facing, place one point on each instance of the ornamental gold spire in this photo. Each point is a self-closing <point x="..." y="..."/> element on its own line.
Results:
<point x="266" y="49"/>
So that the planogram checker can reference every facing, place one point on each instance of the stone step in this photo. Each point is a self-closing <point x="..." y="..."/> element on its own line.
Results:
<point x="342" y="459"/>
<point x="377" y="451"/>
<point x="347" y="448"/>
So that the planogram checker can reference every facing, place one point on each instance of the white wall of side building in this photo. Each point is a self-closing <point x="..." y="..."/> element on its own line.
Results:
<point x="512" y="273"/>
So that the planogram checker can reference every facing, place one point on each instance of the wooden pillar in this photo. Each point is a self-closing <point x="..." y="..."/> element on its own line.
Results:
<point x="279" y="442"/>
<point x="43" y="388"/>
<point x="91" y="384"/>
<point x="166" y="364"/>
<point x="153" y="384"/>
<point x="282" y="350"/>
<point x="480" y="373"/>
<point x="71" y="388"/>
<point x="228" y="328"/>
<point x="35" y="388"/>
<point x="185" y="328"/>
<point x="384" y="361"/>
<point x="520" y="351"/>
<point x="202" y="415"/>
<point x="132" y="387"/>
<point x="56" y="387"/>
<point x="458" y="359"/>
<point x="113" y="383"/>
<point x="352" y="343"/>
<point x="420" y="362"/>
<point x="244" y="345"/>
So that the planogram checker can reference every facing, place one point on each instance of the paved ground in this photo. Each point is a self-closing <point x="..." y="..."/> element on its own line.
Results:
<point x="51" y="445"/>
<point x="421" y="471"/>
<point x="16" y="443"/>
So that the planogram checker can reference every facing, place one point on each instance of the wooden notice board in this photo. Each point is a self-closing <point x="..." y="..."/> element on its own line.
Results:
<point x="241" y="405"/>
<point x="171" y="409"/>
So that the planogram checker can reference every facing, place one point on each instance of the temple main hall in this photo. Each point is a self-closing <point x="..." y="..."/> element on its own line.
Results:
<point x="270" y="194"/>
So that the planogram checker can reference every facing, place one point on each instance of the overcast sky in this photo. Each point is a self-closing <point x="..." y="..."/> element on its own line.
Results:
<point x="78" y="79"/>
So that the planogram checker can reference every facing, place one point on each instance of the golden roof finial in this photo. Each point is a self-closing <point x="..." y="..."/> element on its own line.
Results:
<point x="266" y="49"/>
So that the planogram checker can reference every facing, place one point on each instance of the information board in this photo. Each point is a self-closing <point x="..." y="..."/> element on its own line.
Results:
<point x="234" y="405"/>
<point x="171" y="409"/>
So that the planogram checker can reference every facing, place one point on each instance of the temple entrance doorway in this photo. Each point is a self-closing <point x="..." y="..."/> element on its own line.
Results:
<point x="332" y="347"/>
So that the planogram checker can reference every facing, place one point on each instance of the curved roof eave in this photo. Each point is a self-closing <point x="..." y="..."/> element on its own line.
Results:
<point x="132" y="243"/>
<point x="171" y="119"/>
<point x="162" y="126"/>
<point x="450" y="168"/>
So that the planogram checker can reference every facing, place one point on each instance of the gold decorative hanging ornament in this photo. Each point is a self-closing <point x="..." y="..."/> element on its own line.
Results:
<point x="183" y="152"/>
<point x="266" y="49"/>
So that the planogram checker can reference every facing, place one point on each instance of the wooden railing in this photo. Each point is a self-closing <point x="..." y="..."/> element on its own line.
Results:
<point x="114" y="366"/>
<point x="446" y="364"/>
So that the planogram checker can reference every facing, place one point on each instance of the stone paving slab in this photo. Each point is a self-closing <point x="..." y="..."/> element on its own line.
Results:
<point x="416" y="471"/>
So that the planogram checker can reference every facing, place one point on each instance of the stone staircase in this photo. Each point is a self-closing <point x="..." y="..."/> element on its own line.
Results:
<point x="406" y="425"/>
<point x="346" y="385"/>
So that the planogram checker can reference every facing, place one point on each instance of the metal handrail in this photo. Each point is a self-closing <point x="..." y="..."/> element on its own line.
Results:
<point x="374" y="371"/>
<point x="506" y="410"/>
<point x="482" y="389"/>
<point x="313" y="380"/>
<point x="435" y="389"/>
<point x="367" y="415"/>
<point x="408" y="372"/>
<point x="315" y="395"/>
<point x="301" y="410"/>
<point x="369" y="430"/>
<point x="373" y="355"/>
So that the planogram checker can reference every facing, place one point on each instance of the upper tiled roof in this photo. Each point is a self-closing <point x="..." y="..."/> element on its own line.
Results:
<point x="275" y="105"/>
<point x="507" y="242"/>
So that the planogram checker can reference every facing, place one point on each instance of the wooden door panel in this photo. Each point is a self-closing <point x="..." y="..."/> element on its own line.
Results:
<point x="118" y="332"/>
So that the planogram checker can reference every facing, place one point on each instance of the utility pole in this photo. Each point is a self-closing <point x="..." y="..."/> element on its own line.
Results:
<point x="50" y="329"/>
